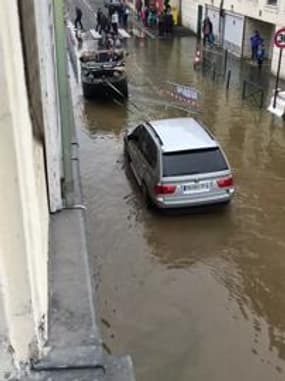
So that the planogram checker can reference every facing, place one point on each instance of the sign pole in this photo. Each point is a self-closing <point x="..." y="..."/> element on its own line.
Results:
<point x="277" y="77"/>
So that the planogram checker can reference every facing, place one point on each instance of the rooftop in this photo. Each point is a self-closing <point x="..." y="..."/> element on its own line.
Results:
<point x="182" y="134"/>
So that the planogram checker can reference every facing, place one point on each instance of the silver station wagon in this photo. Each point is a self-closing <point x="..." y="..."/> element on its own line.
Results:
<point x="178" y="163"/>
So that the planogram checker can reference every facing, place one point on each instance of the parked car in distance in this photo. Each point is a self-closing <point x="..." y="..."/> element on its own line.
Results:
<point x="178" y="163"/>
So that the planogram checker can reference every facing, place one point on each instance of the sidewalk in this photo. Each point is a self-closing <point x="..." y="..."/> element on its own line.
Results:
<point x="75" y="349"/>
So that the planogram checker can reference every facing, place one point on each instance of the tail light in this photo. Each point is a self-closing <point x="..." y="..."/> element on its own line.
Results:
<point x="225" y="182"/>
<point x="164" y="189"/>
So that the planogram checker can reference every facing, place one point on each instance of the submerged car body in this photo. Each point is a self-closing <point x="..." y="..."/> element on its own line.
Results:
<point x="178" y="163"/>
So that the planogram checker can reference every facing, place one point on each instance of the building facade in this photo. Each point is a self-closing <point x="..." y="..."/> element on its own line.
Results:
<point x="235" y="21"/>
<point x="31" y="175"/>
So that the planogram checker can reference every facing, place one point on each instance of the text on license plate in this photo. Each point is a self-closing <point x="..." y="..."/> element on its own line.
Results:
<point x="197" y="187"/>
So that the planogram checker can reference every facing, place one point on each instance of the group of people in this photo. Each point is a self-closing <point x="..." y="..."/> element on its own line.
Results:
<point x="121" y="10"/>
<point x="257" y="48"/>
<point x="117" y="16"/>
<point x="151" y="17"/>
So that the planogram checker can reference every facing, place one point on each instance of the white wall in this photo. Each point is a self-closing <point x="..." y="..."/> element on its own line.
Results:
<point x="233" y="33"/>
<point x="51" y="115"/>
<point x="213" y="14"/>
<point x="262" y="15"/>
<point x="24" y="215"/>
<point x="257" y="9"/>
<point x="275" y="60"/>
<point x="190" y="14"/>
<point x="280" y="23"/>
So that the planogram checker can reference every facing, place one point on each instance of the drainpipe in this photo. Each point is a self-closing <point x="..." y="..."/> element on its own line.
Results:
<point x="179" y="21"/>
<point x="66" y="112"/>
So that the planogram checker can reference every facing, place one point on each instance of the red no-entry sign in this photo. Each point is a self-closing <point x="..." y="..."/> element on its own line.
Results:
<point x="279" y="38"/>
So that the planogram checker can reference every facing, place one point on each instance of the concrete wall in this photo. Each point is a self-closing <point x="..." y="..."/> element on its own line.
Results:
<point x="50" y="100"/>
<point x="23" y="221"/>
<point x="233" y="33"/>
<point x="190" y="14"/>
<point x="213" y="14"/>
<point x="259" y="14"/>
<point x="257" y="9"/>
<point x="275" y="59"/>
<point x="280" y="23"/>
<point x="30" y="155"/>
<point x="37" y="32"/>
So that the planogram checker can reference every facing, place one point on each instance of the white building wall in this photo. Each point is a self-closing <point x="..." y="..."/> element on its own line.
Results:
<point x="21" y="238"/>
<point x="279" y="24"/>
<point x="190" y="14"/>
<point x="257" y="9"/>
<point x="275" y="60"/>
<point x="213" y="14"/>
<point x="24" y="212"/>
<point x="233" y="33"/>
<point x="258" y="15"/>
<point x="51" y="116"/>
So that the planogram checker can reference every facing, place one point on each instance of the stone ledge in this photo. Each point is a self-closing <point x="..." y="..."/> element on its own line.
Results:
<point x="112" y="369"/>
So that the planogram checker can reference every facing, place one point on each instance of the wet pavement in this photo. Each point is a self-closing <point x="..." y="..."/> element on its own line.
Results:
<point x="196" y="296"/>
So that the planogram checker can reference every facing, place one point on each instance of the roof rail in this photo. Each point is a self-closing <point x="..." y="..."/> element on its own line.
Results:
<point x="205" y="128"/>
<point x="154" y="132"/>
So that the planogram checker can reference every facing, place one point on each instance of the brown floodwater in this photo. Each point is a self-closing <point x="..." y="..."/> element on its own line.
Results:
<point x="197" y="296"/>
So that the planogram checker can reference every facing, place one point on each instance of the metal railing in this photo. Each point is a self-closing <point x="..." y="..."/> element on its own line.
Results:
<point x="251" y="90"/>
<point x="221" y="70"/>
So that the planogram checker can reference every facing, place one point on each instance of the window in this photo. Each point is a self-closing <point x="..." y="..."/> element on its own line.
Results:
<point x="136" y="135"/>
<point x="193" y="162"/>
<point x="272" y="2"/>
<point x="145" y="143"/>
<point x="148" y="148"/>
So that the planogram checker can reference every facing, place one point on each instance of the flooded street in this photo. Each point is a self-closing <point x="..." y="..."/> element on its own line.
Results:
<point x="193" y="296"/>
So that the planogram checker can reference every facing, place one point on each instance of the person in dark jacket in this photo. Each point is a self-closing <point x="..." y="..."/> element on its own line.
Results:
<point x="126" y="16"/>
<point x="161" y="24"/>
<point x="99" y="21"/>
<point x="260" y="55"/>
<point x="255" y="41"/>
<point x="139" y="6"/>
<point x="207" y="31"/>
<point x="168" y="21"/>
<point x="78" y="17"/>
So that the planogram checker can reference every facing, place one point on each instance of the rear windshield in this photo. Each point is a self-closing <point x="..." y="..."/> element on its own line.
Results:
<point x="193" y="162"/>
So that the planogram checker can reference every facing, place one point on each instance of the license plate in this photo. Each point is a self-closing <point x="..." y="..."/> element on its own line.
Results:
<point x="197" y="187"/>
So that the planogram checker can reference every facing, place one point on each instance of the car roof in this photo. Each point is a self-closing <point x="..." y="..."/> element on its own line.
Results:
<point x="181" y="134"/>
